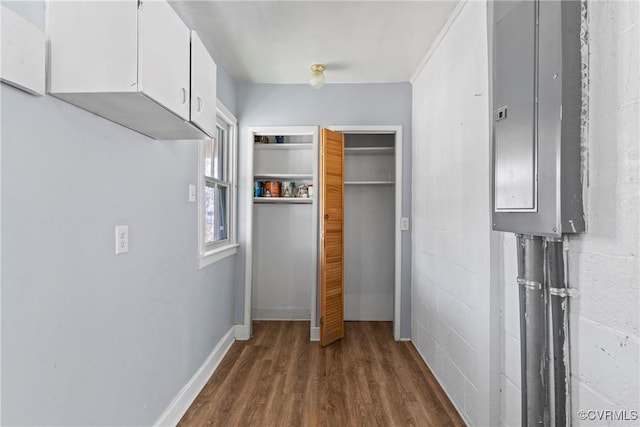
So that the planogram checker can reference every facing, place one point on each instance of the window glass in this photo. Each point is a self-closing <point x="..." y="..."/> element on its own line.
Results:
<point x="210" y="212"/>
<point x="208" y="157"/>
<point x="222" y="222"/>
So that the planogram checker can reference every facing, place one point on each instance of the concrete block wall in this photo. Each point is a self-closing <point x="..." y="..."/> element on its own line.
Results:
<point x="510" y="371"/>
<point x="451" y="215"/>
<point x="451" y="239"/>
<point x="604" y="263"/>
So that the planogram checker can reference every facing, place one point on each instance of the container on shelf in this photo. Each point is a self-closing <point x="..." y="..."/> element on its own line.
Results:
<point x="287" y="189"/>
<point x="258" y="189"/>
<point x="273" y="187"/>
<point x="303" y="191"/>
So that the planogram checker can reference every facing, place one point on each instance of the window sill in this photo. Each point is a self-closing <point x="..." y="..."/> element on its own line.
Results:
<point x="216" y="255"/>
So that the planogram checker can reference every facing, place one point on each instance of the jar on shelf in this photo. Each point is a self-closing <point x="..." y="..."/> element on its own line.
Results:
<point x="287" y="189"/>
<point x="273" y="187"/>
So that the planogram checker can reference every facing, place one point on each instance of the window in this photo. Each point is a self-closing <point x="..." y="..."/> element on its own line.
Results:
<point x="217" y="189"/>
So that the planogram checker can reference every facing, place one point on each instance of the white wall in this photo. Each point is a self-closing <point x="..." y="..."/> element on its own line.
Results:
<point x="90" y="338"/>
<point x="603" y="263"/>
<point x="451" y="317"/>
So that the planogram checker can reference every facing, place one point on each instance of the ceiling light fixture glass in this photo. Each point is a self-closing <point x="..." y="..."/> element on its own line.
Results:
<point x="316" y="79"/>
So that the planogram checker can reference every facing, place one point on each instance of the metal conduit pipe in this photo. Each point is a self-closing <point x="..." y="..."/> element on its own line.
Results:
<point x="559" y="329"/>
<point x="533" y="331"/>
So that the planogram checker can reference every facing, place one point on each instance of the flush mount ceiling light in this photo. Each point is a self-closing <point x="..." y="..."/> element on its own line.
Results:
<point x="316" y="79"/>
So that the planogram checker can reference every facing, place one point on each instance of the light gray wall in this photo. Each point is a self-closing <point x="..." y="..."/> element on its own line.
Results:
<point x="88" y="337"/>
<point x="334" y="104"/>
<point x="32" y="11"/>
<point x="226" y="90"/>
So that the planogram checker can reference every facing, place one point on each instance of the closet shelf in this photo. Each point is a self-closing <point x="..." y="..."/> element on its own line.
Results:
<point x="369" y="182"/>
<point x="369" y="150"/>
<point x="285" y="146"/>
<point x="283" y="200"/>
<point x="282" y="176"/>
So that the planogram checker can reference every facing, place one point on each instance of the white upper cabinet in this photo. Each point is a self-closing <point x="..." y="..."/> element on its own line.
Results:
<point x="163" y="61"/>
<point x="127" y="61"/>
<point x="203" y="87"/>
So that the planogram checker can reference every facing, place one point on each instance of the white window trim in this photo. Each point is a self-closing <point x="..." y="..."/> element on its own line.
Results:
<point x="210" y="256"/>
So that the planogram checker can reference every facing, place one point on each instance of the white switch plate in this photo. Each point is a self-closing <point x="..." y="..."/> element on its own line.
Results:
<point x="122" y="239"/>
<point x="192" y="193"/>
<point x="404" y="223"/>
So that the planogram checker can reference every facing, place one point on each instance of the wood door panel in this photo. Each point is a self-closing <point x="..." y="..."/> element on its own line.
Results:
<point x="332" y="237"/>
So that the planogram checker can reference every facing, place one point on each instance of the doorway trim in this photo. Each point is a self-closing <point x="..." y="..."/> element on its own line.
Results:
<point x="395" y="130"/>
<point x="244" y="331"/>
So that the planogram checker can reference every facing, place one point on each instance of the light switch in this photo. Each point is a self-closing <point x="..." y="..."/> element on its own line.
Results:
<point x="192" y="193"/>
<point x="404" y="223"/>
<point x="122" y="239"/>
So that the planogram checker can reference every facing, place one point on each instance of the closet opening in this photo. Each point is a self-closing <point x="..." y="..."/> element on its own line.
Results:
<point x="372" y="218"/>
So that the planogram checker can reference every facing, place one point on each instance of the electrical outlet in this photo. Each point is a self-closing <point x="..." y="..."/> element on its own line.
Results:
<point x="192" y="193"/>
<point x="122" y="239"/>
<point x="404" y="223"/>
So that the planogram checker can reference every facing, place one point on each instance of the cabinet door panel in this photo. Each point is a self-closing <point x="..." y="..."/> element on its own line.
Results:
<point x="514" y="100"/>
<point x="203" y="87"/>
<point x="86" y="54"/>
<point x="164" y="56"/>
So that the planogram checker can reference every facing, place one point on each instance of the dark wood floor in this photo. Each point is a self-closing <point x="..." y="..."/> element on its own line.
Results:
<point x="280" y="378"/>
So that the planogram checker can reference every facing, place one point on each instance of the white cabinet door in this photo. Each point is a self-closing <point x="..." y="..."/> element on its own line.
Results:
<point x="163" y="61"/>
<point x="203" y="87"/>
<point x="92" y="46"/>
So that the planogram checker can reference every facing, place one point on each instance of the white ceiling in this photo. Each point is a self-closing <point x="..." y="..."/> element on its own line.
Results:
<point x="357" y="41"/>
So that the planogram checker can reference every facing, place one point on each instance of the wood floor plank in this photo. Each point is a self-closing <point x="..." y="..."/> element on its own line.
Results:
<point x="280" y="378"/>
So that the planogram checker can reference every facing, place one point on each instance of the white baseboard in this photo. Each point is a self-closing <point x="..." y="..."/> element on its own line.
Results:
<point x="314" y="334"/>
<point x="179" y="405"/>
<point x="242" y="332"/>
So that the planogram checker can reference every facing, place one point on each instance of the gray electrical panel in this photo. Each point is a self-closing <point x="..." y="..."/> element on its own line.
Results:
<point x="536" y="122"/>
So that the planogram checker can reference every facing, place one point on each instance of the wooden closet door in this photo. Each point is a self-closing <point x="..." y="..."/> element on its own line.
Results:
<point x="331" y="237"/>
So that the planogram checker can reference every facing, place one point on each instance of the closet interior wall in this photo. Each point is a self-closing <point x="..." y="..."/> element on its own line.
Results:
<point x="369" y="213"/>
